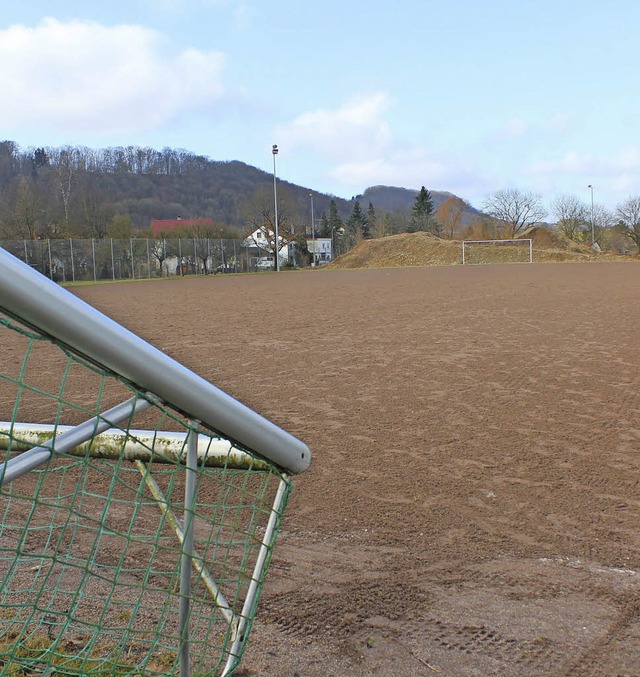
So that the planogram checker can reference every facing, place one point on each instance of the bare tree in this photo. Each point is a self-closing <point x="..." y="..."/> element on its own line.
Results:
<point x="96" y="214"/>
<point x="161" y="252"/>
<point x="515" y="210"/>
<point x="629" y="213"/>
<point x="603" y="220"/>
<point x="449" y="215"/>
<point x="202" y="234"/>
<point x="572" y="215"/>
<point x="26" y="210"/>
<point x="65" y="164"/>
<point x="261" y="221"/>
<point x="480" y="227"/>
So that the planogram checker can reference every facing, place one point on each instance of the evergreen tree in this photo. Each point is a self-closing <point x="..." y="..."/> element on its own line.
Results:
<point x="324" y="229"/>
<point x="388" y="226"/>
<point x="355" y="225"/>
<point x="422" y="213"/>
<point x="38" y="161"/>
<point x="335" y="222"/>
<point x="335" y="230"/>
<point x="369" y="229"/>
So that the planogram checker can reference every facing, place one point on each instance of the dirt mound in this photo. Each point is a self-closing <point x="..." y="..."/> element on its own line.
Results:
<point x="403" y="250"/>
<point x="424" y="249"/>
<point x="543" y="238"/>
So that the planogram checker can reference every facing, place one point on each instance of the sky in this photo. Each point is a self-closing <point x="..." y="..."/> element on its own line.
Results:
<point x="462" y="96"/>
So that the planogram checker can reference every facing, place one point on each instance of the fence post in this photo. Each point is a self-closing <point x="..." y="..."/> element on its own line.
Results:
<point x="93" y="251"/>
<point x="73" y="269"/>
<point x="50" y="261"/>
<point x="35" y="254"/>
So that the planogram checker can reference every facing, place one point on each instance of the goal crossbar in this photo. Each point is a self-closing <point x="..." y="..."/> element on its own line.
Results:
<point x="36" y="300"/>
<point x="132" y="445"/>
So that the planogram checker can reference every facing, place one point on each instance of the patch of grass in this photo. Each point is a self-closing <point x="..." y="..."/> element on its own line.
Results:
<point x="62" y="659"/>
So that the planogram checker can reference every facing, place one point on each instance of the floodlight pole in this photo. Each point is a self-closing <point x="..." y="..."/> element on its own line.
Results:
<point x="274" y="150"/>
<point x="313" y="231"/>
<point x="593" y="232"/>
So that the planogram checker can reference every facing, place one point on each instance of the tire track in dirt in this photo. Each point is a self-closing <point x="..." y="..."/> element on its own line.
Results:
<point x="473" y="494"/>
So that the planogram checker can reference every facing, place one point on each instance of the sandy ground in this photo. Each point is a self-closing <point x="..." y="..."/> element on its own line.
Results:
<point x="472" y="506"/>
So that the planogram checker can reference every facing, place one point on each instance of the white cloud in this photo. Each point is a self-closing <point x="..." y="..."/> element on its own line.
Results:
<point x="355" y="129"/>
<point x="361" y="149"/>
<point x="615" y="176"/>
<point x="81" y="76"/>
<point x="571" y="162"/>
<point x="624" y="161"/>
<point x="533" y="130"/>
<point x="400" y="166"/>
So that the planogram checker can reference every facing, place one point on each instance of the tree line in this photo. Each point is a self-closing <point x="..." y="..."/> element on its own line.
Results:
<point x="512" y="211"/>
<point x="78" y="192"/>
<point x="116" y="192"/>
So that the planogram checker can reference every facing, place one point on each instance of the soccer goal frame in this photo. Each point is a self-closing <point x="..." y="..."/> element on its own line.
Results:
<point x="125" y="550"/>
<point x="466" y="244"/>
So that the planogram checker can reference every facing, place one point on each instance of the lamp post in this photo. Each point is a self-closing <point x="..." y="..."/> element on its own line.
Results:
<point x="313" y="231"/>
<point x="593" y="232"/>
<point x="274" y="150"/>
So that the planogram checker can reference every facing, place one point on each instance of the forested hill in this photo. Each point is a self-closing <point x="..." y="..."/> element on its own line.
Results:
<point x="76" y="190"/>
<point x="391" y="199"/>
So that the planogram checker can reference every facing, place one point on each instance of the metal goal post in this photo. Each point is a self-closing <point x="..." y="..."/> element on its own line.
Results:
<point x="139" y="504"/>
<point x="497" y="251"/>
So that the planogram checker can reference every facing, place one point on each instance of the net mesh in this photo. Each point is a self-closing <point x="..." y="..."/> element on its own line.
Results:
<point x="91" y="542"/>
<point x="497" y="251"/>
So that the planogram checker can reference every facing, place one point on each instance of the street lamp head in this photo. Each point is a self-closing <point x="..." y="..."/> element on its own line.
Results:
<point x="589" y="186"/>
<point x="274" y="149"/>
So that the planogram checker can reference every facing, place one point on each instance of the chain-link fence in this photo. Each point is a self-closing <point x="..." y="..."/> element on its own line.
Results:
<point x="71" y="260"/>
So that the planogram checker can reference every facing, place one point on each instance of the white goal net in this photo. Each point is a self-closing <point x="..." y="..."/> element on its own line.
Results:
<point x="497" y="251"/>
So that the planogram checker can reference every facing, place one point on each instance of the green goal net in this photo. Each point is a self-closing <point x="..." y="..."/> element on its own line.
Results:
<point x="134" y="538"/>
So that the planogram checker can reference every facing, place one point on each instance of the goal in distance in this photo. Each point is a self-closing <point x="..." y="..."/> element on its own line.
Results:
<point x="497" y="251"/>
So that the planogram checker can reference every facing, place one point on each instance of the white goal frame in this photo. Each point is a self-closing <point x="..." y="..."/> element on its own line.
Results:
<point x="497" y="242"/>
<point x="198" y="563"/>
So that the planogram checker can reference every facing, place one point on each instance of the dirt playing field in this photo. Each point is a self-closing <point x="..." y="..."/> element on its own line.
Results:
<point x="473" y="505"/>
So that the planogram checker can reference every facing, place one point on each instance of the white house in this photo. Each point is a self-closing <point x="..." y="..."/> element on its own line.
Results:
<point x="259" y="241"/>
<point x="321" y="246"/>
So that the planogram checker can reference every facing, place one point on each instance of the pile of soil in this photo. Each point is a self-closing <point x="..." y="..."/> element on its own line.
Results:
<point x="549" y="245"/>
<point x="425" y="249"/>
<point x="399" y="251"/>
<point x="543" y="238"/>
